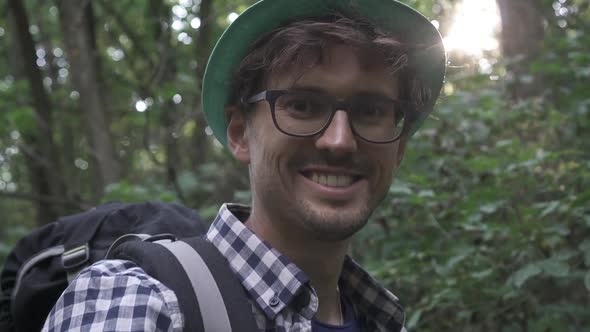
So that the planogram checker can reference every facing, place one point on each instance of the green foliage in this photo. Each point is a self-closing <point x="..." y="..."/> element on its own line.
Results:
<point x="486" y="228"/>
<point x="125" y="192"/>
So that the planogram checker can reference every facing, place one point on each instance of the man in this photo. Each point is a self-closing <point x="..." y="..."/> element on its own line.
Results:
<point x="318" y="98"/>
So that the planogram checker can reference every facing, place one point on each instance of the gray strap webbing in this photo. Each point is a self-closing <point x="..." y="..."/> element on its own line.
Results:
<point x="24" y="269"/>
<point x="213" y="311"/>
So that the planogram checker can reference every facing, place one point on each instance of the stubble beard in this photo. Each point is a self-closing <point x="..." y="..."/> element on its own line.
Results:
<point x="323" y="224"/>
<point x="331" y="225"/>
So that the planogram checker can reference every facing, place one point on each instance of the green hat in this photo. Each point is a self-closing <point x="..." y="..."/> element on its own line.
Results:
<point x="266" y="15"/>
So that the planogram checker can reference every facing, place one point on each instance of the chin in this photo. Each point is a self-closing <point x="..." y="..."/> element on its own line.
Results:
<point x="333" y="223"/>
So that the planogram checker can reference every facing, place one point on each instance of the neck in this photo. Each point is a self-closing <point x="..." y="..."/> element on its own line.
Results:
<point x="320" y="260"/>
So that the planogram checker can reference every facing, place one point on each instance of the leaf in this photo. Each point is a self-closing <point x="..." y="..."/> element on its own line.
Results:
<point x="457" y="259"/>
<point x="558" y="229"/>
<point x="504" y="142"/>
<point x="400" y="187"/>
<point x="4" y="249"/>
<point x="491" y="207"/>
<point x="564" y="255"/>
<point x="482" y="274"/>
<point x="482" y="164"/>
<point x="585" y="248"/>
<point x="414" y="318"/>
<point x="554" y="267"/>
<point x="23" y="119"/>
<point x="587" y="281"/>
<point x="551" y="206"/>
<point x="440" y="270"/>
<point x="583" y="199"/>
<point x="426" y="193"/>
<point x="519" y="277"/>
<point x="188" y="181"/>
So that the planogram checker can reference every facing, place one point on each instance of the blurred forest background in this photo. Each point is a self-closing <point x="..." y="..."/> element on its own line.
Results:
<point x="487" y="227"/>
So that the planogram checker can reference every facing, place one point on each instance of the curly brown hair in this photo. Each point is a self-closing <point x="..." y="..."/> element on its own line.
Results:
<point x="288" y="46"/>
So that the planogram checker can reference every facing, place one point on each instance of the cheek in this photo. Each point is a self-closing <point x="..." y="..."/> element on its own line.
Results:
<point x="386" y="161"/>
<point x="266" y="154"/>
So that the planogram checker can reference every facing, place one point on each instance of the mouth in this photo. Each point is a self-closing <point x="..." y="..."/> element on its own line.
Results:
<point x="331" y="179"/>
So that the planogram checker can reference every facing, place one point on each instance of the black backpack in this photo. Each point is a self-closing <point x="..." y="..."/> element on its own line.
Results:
<point x="42" y="264"/>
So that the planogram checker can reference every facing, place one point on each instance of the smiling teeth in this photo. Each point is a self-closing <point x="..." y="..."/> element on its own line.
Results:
<point x="331" y="180"/>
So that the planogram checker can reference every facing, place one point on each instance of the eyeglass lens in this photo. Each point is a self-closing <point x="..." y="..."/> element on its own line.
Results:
<point x="305" y="113"/>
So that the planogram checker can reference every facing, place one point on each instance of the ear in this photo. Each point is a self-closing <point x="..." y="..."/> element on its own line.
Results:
<point x="401" y="148"/>
<point x="237" y="134"/>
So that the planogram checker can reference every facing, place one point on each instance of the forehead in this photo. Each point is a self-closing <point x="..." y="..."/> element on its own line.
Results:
<point x="338" y="69"/>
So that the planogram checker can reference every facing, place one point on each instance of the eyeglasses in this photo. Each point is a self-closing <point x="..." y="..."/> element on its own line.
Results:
<point x="375" y="119"/>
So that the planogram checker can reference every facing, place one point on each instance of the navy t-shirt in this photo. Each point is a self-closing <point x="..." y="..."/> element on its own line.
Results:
<point x="351" y="322"/>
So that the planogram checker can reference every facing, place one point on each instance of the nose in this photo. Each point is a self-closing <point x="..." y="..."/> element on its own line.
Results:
<point x="338" y="137"/>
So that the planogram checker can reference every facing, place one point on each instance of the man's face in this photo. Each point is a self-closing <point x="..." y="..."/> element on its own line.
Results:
<point x="327" y="185"/>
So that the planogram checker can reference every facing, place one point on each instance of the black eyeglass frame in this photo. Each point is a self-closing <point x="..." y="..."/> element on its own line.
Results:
<point x="408" y="109"/>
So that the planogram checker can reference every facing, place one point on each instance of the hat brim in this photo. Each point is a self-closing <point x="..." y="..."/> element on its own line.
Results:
<point x="391" y="16"/>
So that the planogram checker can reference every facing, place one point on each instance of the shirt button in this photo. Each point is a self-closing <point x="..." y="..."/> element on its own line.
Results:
<point x="274" y="301"/>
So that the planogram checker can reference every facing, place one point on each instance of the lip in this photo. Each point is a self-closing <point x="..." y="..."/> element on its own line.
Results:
<point x="334" y="193"/>
<point x="331" y="170"/>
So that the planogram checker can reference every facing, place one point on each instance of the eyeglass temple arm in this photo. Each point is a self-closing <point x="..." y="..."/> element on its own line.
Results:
<point x="256" y="98"/>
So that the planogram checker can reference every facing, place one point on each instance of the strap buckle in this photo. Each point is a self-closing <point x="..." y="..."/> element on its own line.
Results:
<point x="75" y="257"/>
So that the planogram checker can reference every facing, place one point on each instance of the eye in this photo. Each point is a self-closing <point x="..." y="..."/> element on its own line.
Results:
<point x="371" y="110"/>
<point x="300" y="105"/>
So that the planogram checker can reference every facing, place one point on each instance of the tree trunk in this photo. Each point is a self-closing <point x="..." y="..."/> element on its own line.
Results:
<point x="521" y="39"/>
<point x="169" y="119"/>
<point x="202" y="51"/>
<point x="40" y="151"/>
<point x="77" y="23"/>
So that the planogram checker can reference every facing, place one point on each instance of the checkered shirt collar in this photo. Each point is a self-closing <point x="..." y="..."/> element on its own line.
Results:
<point x="371" y="299"/>
<point x="270" y="278"/>
<point x="273" y="281"/>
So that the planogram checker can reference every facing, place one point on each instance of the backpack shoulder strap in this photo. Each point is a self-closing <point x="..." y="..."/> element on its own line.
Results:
<point x="213" y="314"/>
<point x="210" y="295"/>
<point x="239" y="309"/>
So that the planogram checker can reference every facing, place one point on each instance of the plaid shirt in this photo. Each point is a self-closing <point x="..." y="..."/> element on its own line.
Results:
<point x="117" y="295"/>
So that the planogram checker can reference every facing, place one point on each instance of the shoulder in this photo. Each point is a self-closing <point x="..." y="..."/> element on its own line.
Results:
<point x="115" y="295"/>
<point x="118" y="268"/>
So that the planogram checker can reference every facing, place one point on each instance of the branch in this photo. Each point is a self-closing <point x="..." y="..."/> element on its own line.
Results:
<point x="160" y="70"/>
<point x="159" y="12"/>
<point x="203" y="36"/>
<point x="133" y="37"/>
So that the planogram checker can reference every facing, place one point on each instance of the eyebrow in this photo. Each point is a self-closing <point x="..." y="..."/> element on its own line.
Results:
<point x="307" y="89"/>
<point x="314" y="89"/>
